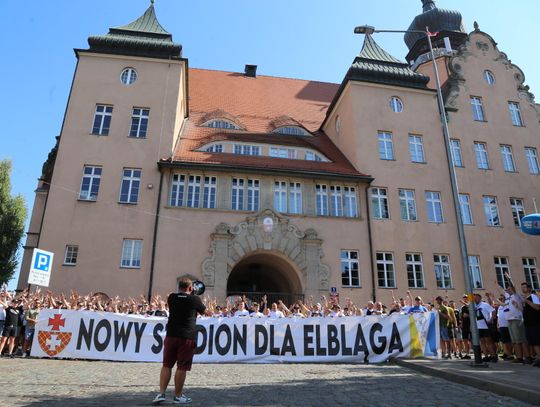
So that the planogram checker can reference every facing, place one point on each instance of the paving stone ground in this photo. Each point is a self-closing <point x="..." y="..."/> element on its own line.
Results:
<point x="43" y="382"/>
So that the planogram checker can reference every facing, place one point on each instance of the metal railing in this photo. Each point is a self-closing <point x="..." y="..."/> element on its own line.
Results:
<point x="251" y="296"/>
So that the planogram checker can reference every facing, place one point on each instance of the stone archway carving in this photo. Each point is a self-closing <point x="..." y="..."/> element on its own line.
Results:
<point x="229" y="244"/>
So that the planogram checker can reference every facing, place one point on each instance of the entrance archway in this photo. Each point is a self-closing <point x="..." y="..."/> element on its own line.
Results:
<point x="267" y="274"/>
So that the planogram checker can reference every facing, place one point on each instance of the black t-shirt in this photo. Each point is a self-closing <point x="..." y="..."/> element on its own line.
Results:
<point x="183" y="309"/>
<point x="465" y="313"/>
<point x="14" y="316"/>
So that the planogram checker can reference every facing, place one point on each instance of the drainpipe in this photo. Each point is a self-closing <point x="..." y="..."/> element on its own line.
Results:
<point x="154" y="240"/>
<point x="370" y="238"/>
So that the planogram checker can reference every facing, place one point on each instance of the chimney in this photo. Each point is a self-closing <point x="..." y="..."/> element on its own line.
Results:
<point x="250" y="71"/>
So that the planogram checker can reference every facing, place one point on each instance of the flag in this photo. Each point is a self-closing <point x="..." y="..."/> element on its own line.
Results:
<point x="430" y="34"/>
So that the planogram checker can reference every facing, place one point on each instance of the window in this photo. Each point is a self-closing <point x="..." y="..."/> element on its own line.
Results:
<point x="416" y="148"/>
<point x="292" y="131"/>
<point x="139" y="122"/>
<point x="351" y="207"/>
<point x="434" y="207"/>
<point x="407" y="204"/>
<point x="480" y="150"/>
<point x="491" y="211"/>
<point x="515" y="114"/>
<point x="455" y="147"/>
<point x="216" y="148"/>
<point x="379" y="202"/>
<point x="312" y="156"/>
<point x="465" y="206"/>
<point x="194" y="191"/>
<point x="253" y="194"/>
<point x="531" y="277"/>
<point x="131" y="253"/>
<point x="129" y="191"/>
<point x="501" y="270"/>
<point x="177" y="190"/>
<point x="221" y="124"/>
<point x="350" y="271"/>
<point x="90" y="183"/>
<point x="518" y="211"/>
<point x="321" y="196"/>
<point x="245" y="149"/>
<point x="209" y="198"/>
<point x="443" y="275"/>
<point x="128" y="76"/>
<point x="70" y="256"/>
<point x="386" y="149"/>
<point x="237" y="197"/>
<point x="280" y="196"/>
<point x="396" y="104"/>
<point x="475" y="273"/>
<point x="102" y="120"/>
<point x="385" y="270"/>
<point x="336" y="201"/>
<point x="532" y="160"/>
<point x="295" y="197"/>
<point x="477" y="109"/>
<point x="283" y="153"/>
<point x="489" y="77"/>
<point x="507" y="158"/>
<point x="415" y="270"/>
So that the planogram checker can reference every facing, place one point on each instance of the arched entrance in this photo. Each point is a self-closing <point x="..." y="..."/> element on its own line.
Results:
<point x="267" y="274"/>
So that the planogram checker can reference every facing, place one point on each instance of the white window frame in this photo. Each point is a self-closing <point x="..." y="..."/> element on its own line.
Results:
<point x="489" y="77"/>
<point x="385" y="265"/>
<point x="518" y="210"/>
<point x="457" y="158"/>
<point x="482" y="159"/>
<point x="407" y="203"/>
<point x="396" y="104"/>
<point x="193" y="191"/>
<point x="386" y="145"/>
<point x="507" y="158"/>
<point x="280" y="196"/>
<point x="295" y="197"/>
<point x="515" y="114"/>
<point x="434" y="207"/>
<point x="282" y="152"/>
<point x="70" y="255"/>
<point x="253" y="194"/>
<point x="336" y="200"/>
<point x="465" y="206"/>
<point x="491" y="210"/>
<point x="311" y="156"/>
<point x="221" y="124"/>
<point x="128" y="76"/>
<point x="531" y="272"/>
<point x="246" y="149"/>
<point x="350" y="265"/>
<point x="103" y="113"/>
<point x="416" y="149"/>
<point x="532" y="160"/>
<point x="415" y="270"/>
<point x="477" y="109"/>
<point x="321" y="199"/>
<point x="94" y="181"/>
<point x="475" y="272"/>
<point x="502" y="267"/>
<point x="215" y="148"/>
<point x="441" y="264"/>
<point x="379" y="203"/>
<point x="139" y="122"/>
<point x="237" y="194"/>
<point x="131" y="253"/>
<point x="351" y="202"/>
<point x="178" y="190"/>
<point x="133" y="182"/>
<point x="291" y="131"/>
<point x="209" y="192"/>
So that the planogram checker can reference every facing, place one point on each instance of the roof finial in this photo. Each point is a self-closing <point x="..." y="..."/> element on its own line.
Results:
<point x="476" y="26"/>
<point x="152" y="2"/>
<point x="428" y="5"/>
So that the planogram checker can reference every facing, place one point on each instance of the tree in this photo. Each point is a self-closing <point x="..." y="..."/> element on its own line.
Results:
<point x="12" y="219"/>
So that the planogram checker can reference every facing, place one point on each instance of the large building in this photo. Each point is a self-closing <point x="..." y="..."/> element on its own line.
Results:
<point x="258" y="184"/>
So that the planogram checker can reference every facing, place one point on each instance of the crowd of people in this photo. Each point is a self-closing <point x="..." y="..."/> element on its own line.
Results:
<point x="509" y="324"/>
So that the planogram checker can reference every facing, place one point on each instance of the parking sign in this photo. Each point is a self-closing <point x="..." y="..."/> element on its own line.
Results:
<point x="40" y="268"/>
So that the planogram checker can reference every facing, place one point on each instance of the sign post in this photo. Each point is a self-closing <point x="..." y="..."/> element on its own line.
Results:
<point x="40" y="268"/>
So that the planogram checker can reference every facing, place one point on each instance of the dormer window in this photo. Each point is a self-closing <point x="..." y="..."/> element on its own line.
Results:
<point x="221" y="124"/>
<point x="215" y="148"/>
<point x="396" y="104"/>
<point x="312" y="156"/>
<point x="489" y="77"/>
<point x="291" y="131"/>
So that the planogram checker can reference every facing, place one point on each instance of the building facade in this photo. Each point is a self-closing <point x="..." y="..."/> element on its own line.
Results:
<point x="256" y="184"/>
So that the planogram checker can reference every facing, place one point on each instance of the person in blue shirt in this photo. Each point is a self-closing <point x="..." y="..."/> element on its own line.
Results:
<point x="417" y="307"/>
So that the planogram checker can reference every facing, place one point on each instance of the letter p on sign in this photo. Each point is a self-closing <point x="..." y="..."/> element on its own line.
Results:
<point x="40" y="269"/>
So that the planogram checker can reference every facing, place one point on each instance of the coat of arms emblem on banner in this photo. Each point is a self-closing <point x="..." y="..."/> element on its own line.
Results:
<point x="53" y="342"/>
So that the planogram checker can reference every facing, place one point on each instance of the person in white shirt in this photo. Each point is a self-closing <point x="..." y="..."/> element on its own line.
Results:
<point x="515" y="324"/>
<point x="484" y="314"/>
<point x="241" y="311"/>
<point x="255" y="313"/>
<point x="531" y="318"/>
<point x="274" y="313"/>
<point x="336" y="311"/>
<point x="502" y="324"/>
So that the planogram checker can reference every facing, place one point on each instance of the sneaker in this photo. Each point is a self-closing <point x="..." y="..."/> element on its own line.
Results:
<point x="528" y="361"/>
<point x="486" y="359"/>
<point x="495" y="359"/>
<point x="466" y="357"/>
<point x="12" y="356"/>
<point x="181" y="400"/>
<point x="160" y="398"/>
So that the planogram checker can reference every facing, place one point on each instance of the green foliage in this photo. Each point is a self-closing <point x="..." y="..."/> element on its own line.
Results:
<point x="12" y="218"/>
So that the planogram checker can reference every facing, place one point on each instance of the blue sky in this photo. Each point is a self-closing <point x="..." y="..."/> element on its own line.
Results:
<point x="305" y="39"/>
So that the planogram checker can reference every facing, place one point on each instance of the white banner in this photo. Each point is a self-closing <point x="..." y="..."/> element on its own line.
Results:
<point x="109" y="336"/>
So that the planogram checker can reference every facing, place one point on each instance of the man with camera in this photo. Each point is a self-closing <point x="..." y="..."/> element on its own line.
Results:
<point x="179" y="345"/>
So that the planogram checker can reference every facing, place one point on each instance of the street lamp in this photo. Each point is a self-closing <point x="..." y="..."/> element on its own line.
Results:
<point x="368" y="30"/>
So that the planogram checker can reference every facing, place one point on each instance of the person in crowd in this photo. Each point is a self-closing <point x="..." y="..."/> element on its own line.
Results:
<point x="531" y="318"/>
<point x="484" y="314"/>
<point x="241" y="311"/>
<point x="274" y="312"/>
<point x="516" y="326"/>
<point x="317" y="311"/>
<point x="370" y="308"/>
<point x="31" y="316"/>
<point x="465" y="325"/>
<point x="12" y="326"/>
<point x="444" y="321"/>
<point x="502" y="325"/>
<point x="255" y="313"/>
<point x="417" y="307"/>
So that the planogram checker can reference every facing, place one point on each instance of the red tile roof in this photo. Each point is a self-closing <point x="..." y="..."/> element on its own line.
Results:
<point x="258" y="105"/>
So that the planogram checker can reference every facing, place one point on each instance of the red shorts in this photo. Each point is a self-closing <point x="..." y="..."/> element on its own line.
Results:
<point x="179" y="351"/>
